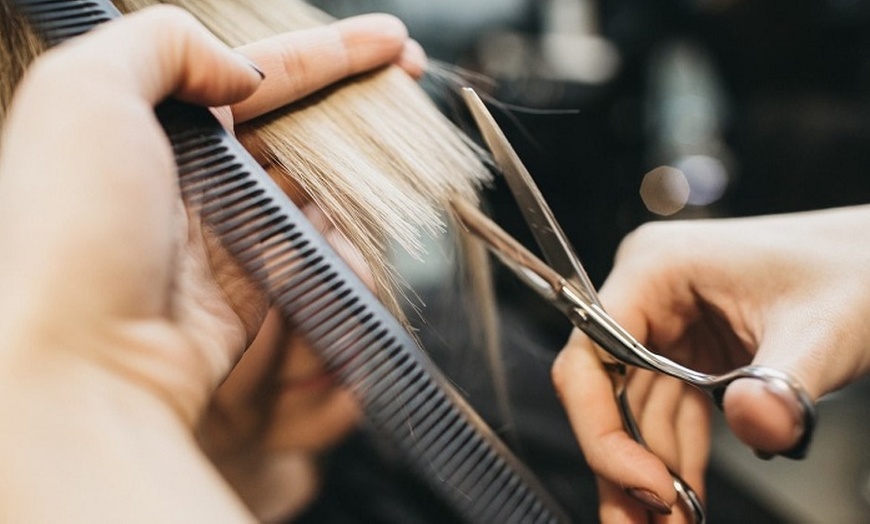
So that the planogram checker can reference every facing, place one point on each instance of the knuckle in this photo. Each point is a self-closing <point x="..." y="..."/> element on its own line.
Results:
<point x="659" y="240"/>
<point x="168" y="16"/>
<point x="295" y="68"/>
<point x="560" y="371"/>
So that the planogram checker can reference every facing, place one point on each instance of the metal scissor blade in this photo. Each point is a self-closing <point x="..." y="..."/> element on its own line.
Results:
<point x="529" y="268"/>
<point x="555" y="246"/>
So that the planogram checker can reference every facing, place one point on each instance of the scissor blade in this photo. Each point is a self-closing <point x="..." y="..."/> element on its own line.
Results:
<point x="555" y="246"/>
<point x="529" y="268"/>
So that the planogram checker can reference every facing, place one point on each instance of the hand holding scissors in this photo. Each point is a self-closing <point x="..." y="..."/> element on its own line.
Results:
<point x="564" y="283"/>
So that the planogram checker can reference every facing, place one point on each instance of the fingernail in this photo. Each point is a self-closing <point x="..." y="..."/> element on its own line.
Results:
<point x="413" y="59"/>
<point x="252" y="65"/>
<point x="763" y="455"/>
<point x="650" y="500"/>
<point x="257" y="69"/>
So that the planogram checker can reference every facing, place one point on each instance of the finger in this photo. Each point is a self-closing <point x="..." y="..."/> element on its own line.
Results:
<point x="107" y="103"/>
<point x="658" y="419"/>
<point x="615" y="506"/>
<point x="166" y="52"/>
<point x="586" y="392"/>
<point x="693" y="438"/>
<point x="342" y="246"/>
<point x="299" y="63"/>
<point x="767" y="416"/>
<point x="413" y="59"/>
<point x="638" y="386"/>
<point x="241" y="385"/>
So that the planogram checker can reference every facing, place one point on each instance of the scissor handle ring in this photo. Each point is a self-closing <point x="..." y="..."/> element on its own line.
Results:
<point x="784" y="384"/>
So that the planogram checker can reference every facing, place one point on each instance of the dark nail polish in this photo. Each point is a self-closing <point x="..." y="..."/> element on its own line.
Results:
<point x="258" y="70"/>
<point x="252" y="65"/>
<point x="650" y="500"/>
<point x="763" y="455"/>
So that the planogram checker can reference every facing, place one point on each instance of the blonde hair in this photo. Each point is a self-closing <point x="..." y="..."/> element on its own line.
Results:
<point x="373" y="153"/>
<point x="18" y="46"/>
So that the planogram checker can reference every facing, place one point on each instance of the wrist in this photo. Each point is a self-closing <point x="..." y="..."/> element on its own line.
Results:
<point x="98" y="447"/>
<point x="276" y="485"/>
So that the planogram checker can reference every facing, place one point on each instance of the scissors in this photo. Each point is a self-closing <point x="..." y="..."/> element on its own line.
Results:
<point x="563" y="282"/>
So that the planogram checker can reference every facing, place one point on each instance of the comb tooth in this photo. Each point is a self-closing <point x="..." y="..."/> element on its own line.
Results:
<point x="444" y="445"/>
<point x="440" y="425"/>
<point x="328" y="299"/>
<point x="524" y="505"/>
<point x="436" y="410"/>
<point x="301" y="282"/>
<point x="453" y="448"/>
<point x="504" y="500"/>
<point x="313" y="292"/>
<point x="499" y="493"/>
<point x="335" y="321"/>
<point x="246" y="221"/>
<point x="193" y="147"/>
<point x="267" y="242"/>
<point x="462" y="477"/>
<point x="517" y="502"/>
<point x="399" y="390"/>
<point x="413" y="416"/>
<point x="331" y="320"/>
<point x="272" y="238"/>
<point x="282" y="262"/>
<point x="491" y="481"/>
<point x="339" y="356"/>
<point x="479" y="474"/>
<point x="207" y="176"/>
<point x="412" y="410"/>
<point x="200" y="182"/>
<point x="196" y="158"/>
<point x="218" y="203"/>
<point x="60" y="20"/>
<point x="376" y="366"/>
<point x="390" y="375"/>
<point x="197" y="184"/>
<point x="187" y="141"/>
<point x="457" y="451"/>
<point x="212" y="176"/>
<point x="362" y="374"/>
<point x="244" y="202"/>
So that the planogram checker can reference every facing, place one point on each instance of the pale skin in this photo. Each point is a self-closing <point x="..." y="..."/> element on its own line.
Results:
<point x="121" y="356"/>
<point x="787" y="291"/>
<point x="119" y="319"/>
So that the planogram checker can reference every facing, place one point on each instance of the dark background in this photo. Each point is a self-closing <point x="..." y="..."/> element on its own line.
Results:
<point x="773" y="93"/>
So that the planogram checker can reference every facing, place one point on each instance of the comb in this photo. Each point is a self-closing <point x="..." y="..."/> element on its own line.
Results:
<point x="406" y="399"/>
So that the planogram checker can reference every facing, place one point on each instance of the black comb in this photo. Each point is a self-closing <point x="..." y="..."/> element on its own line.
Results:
<point x="406" y="399"/>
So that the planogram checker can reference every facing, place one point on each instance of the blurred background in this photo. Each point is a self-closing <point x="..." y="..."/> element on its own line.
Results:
<point x="629" y="111"/>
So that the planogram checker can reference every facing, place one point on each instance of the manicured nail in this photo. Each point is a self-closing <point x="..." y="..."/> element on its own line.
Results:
<point x="258" y="70"/>
<point x="252" y="65"/>
<point x="413" y="59"/>
<point x="650" y="500"/>
<point x="763" y="455"/>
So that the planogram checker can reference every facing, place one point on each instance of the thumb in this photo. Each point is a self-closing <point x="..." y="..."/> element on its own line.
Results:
<point x="158" y="52"/>
<point x="772" y="415"/>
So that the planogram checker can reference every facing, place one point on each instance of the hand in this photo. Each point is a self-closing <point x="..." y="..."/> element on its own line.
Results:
<point x="787" y="291"/>
<point x="117" y="325"/>
<point x="279" y="409"/>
